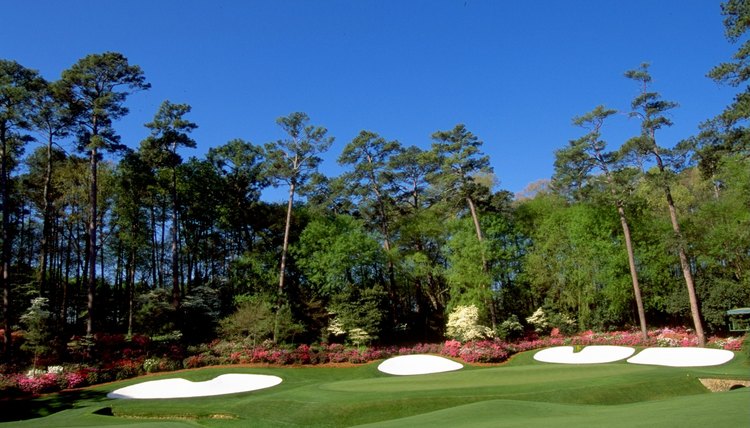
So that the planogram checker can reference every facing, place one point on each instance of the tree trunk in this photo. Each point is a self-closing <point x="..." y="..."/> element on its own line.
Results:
<point x="684" y="264"/>
<point x="175" y="262"/>
<point x="475" y="218"/>
<point x="47" y="217"/>
<point x="285" y="246"/>
<point x="5" y="191"/>
<point x="130" y="287"/>
<point x="154" y="276"/>
<point x="92" y="244"/>
<point x="633" y="271"/>
<point x="686" y="272"/>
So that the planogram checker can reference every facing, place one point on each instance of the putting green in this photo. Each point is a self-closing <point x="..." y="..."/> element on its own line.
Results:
<point x="522" y="392"/>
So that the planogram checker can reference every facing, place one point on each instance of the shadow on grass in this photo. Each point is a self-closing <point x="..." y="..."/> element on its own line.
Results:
<point x="19" y="408"/>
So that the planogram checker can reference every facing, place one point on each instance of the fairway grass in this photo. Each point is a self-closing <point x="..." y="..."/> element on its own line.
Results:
<point x="522" y="392"/>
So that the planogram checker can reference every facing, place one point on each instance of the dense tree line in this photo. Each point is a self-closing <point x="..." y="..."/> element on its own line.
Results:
<point x="143" y="241"/>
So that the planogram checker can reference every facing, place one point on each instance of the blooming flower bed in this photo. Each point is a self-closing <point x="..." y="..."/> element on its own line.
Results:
<point x="132" y="360"/>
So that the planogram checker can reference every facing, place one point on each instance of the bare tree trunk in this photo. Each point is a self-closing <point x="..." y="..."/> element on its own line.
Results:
<point x="130" y="287"/>
<point x="684" y="264"/>
<point x="475" y="218"/>
<point x="686" y="273"/>
<point x="92" y="228"/>
<point x="47" y="217"/>
<point x="633" y="271"/>
<point x="175" y="261"/>
<point x="5" y="191"/>
<point x="285" y="246"/>
<point x="154" y="275"/>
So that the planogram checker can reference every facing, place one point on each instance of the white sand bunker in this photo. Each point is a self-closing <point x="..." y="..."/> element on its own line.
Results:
<point x="182" y="388"/>
<point x="418" y="364"/>
<point x="588" y="355"/>
<point x="682" y="357"/>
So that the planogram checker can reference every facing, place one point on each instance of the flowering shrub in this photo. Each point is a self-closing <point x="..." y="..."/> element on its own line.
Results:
<point x="539" y="320"/>
<point x="38" y="384"/>
<point x="76" y="379"/>
<point x="463" y="324"/>
<point x="229" y="352"/>
<point x="486" y="351"/>
<point x="58" y="370"/>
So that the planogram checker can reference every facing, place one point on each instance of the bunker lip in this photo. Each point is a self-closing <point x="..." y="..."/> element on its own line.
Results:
<point x="183" y="388"/>
<point x="588" y="355"/>
<point x="419" y="364"/>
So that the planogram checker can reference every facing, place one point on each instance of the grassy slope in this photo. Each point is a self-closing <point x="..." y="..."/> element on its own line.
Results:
<point x="522" y="392"/>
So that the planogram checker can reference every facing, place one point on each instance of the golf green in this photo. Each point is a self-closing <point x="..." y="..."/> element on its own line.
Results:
<point x="522" y="392"/>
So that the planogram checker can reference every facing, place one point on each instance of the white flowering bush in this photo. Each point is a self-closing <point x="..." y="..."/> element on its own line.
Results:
<point x="539" y="320"/>
<point x="359" y="337"/>
<point x="336" y="328"/>
<point x="356" y="336"/>
<point x="35" y="373"/>
<point x="58" y="370"/>
<point x="463" y="325"/>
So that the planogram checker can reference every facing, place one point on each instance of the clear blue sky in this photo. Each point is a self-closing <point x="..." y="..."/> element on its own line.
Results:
<point x="515" y="72"/>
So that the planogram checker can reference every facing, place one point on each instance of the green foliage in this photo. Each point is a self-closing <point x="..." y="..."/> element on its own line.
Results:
<point x="154" y="313"/>
<point x="253" y="320"/>
<point x="257" y="319"/>
<point x="359" y="315"/>
<point x="200" y="311"/>
<point x="510" y="329"/>
<point x="337" y="253"/>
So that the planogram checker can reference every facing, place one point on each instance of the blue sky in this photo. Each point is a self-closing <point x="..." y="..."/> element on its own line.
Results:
<point x="514" y="72"/>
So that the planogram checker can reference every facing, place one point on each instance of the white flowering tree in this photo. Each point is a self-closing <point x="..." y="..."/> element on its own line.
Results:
<point x="37" y="331"/>
<point x="463" y="325"/>
<point x="539" y="320"/>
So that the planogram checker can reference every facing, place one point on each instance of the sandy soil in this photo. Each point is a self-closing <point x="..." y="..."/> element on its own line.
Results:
<point x="406" y="365"/>
<point x="588" y="355"/>
<point x="181" y="388"/>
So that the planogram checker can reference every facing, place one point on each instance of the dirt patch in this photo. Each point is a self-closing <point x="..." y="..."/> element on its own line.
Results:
<point x="721" y="385"/>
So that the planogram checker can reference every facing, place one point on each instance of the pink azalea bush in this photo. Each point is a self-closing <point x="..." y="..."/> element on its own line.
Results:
<point x="128" y="358"/>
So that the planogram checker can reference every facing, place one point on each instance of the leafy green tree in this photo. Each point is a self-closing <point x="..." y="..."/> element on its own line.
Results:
<point x="468" y="280"/>
<point x="411" y="168"/>
<point x="97" y="86"/>
<point x="371" y="182"/>
<point x="132" y="228"/>
<point x="650" y="109"/>
<point x="336" y="254"/>
<point x="54" y="121"/>
<point x="719" y="231"/>
<point x="240" y="164"/>
<point x="461" y="162"/>
<point x="200" y="191"/>
<point x="728" y="131"/>
<point x="169" y="131"/>
<point x="575" y="164"/>
<point x="18" y="86"/>
<point x="291" y="161"/>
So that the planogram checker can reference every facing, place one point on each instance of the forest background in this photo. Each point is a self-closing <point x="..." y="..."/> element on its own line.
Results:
<point x="99" y="236"/>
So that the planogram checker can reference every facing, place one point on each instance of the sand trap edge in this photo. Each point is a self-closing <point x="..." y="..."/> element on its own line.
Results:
<point x="682" y="357"/>
<point x="230" y="383"/>
<point x="594" y="354"/>
<point x="418" y="364"/>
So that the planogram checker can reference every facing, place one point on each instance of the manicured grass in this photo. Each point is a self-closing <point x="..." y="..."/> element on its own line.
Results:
<point x="522" y="392"/>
